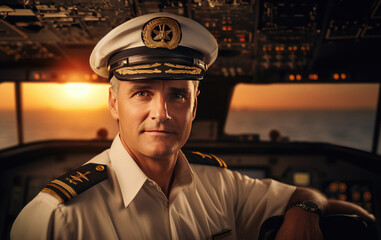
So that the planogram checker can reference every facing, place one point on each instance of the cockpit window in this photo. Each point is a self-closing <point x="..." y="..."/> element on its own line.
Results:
<point x="66" y="111"/>
<point x="8" y="125"/>
<point x="342" y="114"/>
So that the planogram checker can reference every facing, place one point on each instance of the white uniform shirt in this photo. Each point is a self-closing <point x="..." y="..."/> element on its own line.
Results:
<point x="204" y="201"/>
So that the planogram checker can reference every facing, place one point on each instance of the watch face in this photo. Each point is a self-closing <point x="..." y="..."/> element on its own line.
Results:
<point x="306" y="205"/>
<point x="311" y="205"/>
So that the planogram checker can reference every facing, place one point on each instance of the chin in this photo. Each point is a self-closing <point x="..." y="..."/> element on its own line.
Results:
<point x="161" y="152"/>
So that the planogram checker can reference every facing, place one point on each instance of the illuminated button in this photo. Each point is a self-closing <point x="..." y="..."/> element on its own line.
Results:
<point x="36" y="76"/>
<point x="342" y="187"/>
<point x="291" y="77"/>
<point x="342" y="197"/>
<point x="356" y="196"/>
<point x="343" y="76"/>
<point x="298" y="77"/>
<point x="367" y="196"/>
<point x="94" y="76"/>
<point x="333" y="187"/>
<point x="313" y="76"/>
<point x="336" y="76"/>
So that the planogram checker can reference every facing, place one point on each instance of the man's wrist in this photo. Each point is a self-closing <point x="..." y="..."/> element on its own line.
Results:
<point x="308" y="206"/>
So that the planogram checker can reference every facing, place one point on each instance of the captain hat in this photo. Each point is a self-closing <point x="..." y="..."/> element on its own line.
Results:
<point x="155" y="46"/>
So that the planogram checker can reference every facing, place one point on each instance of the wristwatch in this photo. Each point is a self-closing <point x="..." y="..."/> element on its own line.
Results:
<point x="306" y="205"/>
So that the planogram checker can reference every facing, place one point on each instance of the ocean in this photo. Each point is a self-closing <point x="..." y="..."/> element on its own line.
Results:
<point x="56" y="124"/>
<point x="352" y="128"/>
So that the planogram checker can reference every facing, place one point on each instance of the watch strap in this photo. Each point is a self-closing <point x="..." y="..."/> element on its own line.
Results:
<point x="308" y="206"/>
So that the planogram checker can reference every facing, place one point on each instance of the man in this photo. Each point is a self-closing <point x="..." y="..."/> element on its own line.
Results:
<point x="143" y="187"/>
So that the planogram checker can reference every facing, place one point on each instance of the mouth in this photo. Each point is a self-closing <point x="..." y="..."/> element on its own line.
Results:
<point x="159" y="132"/>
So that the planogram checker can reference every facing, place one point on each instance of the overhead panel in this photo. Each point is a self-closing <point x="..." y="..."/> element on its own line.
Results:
<point x="287" y="33"/>
<point x="259" y="40"/>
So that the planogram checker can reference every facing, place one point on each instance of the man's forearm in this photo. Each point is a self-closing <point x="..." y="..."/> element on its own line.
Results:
<point x="302" y="223"/>
<point x="330" y="206"/>
<point x="302" y="194"/>
<point x="341" y="207"/>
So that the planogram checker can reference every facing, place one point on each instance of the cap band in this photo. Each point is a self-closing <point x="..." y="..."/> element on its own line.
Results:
<point x="147" y="63"/>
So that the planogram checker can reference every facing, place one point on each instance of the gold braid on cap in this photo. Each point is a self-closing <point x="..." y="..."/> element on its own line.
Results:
<point x="152" y="69"/>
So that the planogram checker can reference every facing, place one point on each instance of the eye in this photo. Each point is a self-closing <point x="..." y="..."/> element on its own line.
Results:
<point x="179" y="95"/>
<point x="141" y="94"/>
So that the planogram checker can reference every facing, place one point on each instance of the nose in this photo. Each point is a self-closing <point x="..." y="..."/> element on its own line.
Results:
<point x="159" y="110"/>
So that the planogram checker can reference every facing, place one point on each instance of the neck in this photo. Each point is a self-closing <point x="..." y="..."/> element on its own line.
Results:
<point x="160" y="170"/>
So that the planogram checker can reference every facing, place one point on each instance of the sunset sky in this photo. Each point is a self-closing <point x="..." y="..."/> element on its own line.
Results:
<point x="305" y="96"/>
<point x="274" y="96"/>
<point x="56" y="95"/>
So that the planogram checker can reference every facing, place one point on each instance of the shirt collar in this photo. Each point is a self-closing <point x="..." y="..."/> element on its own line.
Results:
<point x="183" y="172"/>
<point x="131" y="178"/>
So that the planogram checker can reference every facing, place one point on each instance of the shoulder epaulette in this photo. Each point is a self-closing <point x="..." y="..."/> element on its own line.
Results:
<point x="69" y="185"/>
<point x="195" y="157"/>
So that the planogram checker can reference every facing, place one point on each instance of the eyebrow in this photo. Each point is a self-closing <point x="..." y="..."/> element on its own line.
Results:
<point x="185" y="91"/>
<point x="182" y="90"/>
<point x="138" y="87"/>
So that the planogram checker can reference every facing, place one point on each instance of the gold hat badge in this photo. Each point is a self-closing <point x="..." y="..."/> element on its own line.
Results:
<point x="161" y="33"/>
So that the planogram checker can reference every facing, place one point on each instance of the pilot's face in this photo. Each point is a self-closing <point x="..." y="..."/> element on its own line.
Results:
<point x="155" y="117"/>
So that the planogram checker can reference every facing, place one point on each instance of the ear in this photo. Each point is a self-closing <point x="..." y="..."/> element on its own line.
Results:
<point x="113" y="104"/>
<point x="195" y="105"/>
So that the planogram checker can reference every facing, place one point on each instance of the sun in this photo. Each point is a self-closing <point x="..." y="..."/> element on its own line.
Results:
<point x="78" y="90"/>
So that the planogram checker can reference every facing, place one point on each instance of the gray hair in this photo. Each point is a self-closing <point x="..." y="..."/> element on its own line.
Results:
<point x="115" y="85"/>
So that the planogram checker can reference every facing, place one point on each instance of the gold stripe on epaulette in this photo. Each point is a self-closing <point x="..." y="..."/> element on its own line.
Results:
<point x="211" y="156"/>
<point x="218" y="160"/>
<point x="222" y="163"/>
<point x="61" y="189"/>
<point x="203" y="155"/>
<point x="66" y="187"/>
<point x="50" y="191"/>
